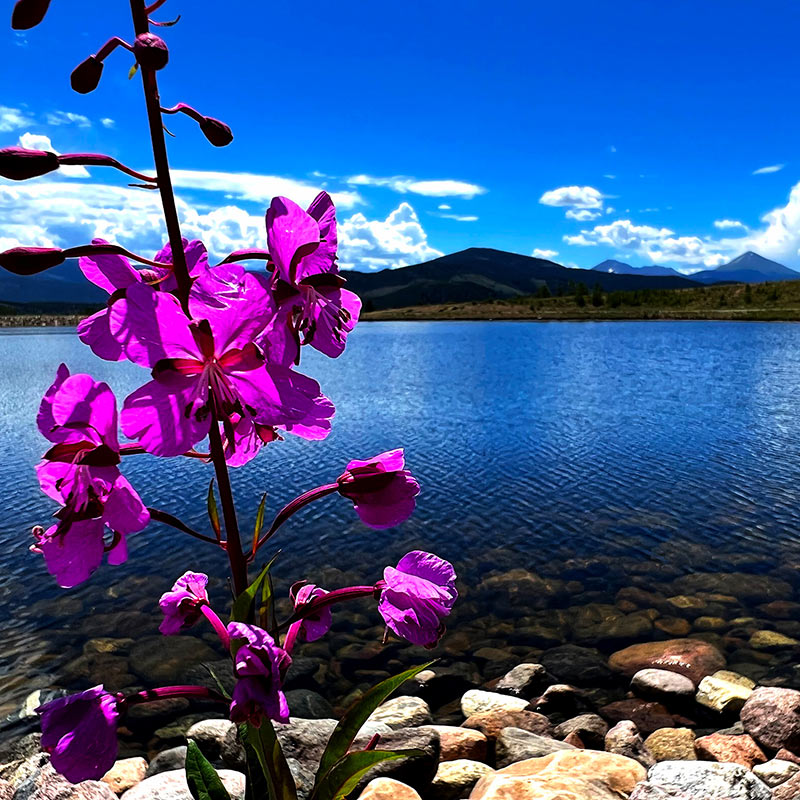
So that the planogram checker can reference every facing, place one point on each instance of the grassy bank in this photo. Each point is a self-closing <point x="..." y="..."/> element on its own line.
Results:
<point x="767" y="301"/>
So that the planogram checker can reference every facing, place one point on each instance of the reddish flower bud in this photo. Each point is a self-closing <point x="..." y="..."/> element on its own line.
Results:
<point x="151" y="51"/>
<point x="86" y="75"/>
<point x="30" y="260"/>
<point x="28" y="14"/>
<point x="218" y="133"/>
<point x="19" y="164"/>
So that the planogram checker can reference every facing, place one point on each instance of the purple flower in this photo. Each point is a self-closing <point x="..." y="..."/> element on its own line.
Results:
<point x="418" y="595"/>
<point x="210" y="359"/>
<point x="182" y="606"/>
<point x="114" y="274"/>
<point x="79" y="415"/>
<point x="381" y="489"/>
<point x="80" y="733"/>
<point x="316" y="625"/>
<point x="259" y="664"/>
<point x="312" y="306"/>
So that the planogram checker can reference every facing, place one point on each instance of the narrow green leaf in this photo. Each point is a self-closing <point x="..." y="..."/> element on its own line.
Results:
<point x="244" y="602"/>
<point x="355" y="717"/>
<point x="220" y="688"/>
<point x="270" y="756"/>
<point x="204" y="783"/>
<point x="266" y="612"/>
<point x="259" y="521"/>
<point x="213" y="512"/>
<point x="347" y="772"/>
<point x="133" y="70"/>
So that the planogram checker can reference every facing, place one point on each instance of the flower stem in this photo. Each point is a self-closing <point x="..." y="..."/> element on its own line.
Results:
<point x="217" y="624"/>
<point x="164" y="692"/>
<point x="157" y="515"/>
<point x="141" y="25"/>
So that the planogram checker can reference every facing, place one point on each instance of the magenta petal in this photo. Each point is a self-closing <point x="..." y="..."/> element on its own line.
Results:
<point x="94" y="332"/>
<point x="323" y="258"/>
<point x="390" y="505"/>
<point x="246" y="443"/>
<point x="291" y="234"/>
<point x="88" y="407"/>
<point x="71" y="557"/>
<point x="428" y="566"/>
<point x="44" y="419"/>
<point x="279" y="341"/>
<point x="163" y="419"/>
<point x="109" y="272"/>
<point x="50" y="474"/>
<point x="390" y="461"/>
<point x="124" y="510"/>
<point x="330" y="330"/>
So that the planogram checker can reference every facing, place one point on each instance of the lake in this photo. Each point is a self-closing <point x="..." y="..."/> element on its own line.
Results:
<point x="594" y="483"/>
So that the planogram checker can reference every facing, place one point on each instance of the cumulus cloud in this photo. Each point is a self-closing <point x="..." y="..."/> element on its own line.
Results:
<point x="107" y="122"/>
<point x="12" y="119"/>
<point x="768" y="170"/>
<point x="57" y="118"/>
<point x="539" y="253"/>
<point x="573" y="197"/>
<point x="437" y="188"/>
<point x="582" y="214"/>
<point x="37" y="141"/>
<point x="729" y="224"/>
<point x="397" y="241"/>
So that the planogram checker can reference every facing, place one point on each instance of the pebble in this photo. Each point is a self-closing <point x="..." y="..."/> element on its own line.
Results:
<point x="771" y="716"/>
<point x="454" y="779"/>
<point x="524" y="680"/>
<point x="662" y="685"/>
<point x="624" y="740"/>
<point x="476" y="701"/>
<point x="491" y="723"/>
<point x="172" y="786"/>
<point x="125" y="774"/>
<point x="672" y="744"/>
<point x="209" y="735"/>
<point x="514" y="744"/>
<point x="724" y="691"/>
<point x="403" y="712"/>
<point x="590" y="728"/>
<point x="456" y="742"/>
<point x="771" y="641"/>
<point x="168" y="761"/>
<point x="690" y="657"/>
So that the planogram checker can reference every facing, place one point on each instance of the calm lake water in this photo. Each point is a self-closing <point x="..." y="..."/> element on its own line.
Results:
<point x="559" y="463"/>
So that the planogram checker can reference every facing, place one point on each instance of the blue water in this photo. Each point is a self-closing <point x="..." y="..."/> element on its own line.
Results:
<point x="547" y="443"/>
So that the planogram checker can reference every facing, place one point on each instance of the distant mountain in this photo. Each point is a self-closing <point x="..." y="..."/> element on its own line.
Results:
<point x="62" y="284"/>
<point x="621" y="268"/>
<point x="480" y="274"/>
<point x="748" y="268"/>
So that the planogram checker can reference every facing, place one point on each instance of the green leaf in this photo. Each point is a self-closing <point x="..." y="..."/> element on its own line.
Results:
<point x="244" y="602"/>
<point x="267" y="610"/>
<point x="204" y="783"/>
<point x="355" y="717"/>
<point x="348" y="771"/>
<point x="270" y="756"/>
<point x="213" y="513"/>
<point x="259" y="521"/>
<point x="133" y="70"/>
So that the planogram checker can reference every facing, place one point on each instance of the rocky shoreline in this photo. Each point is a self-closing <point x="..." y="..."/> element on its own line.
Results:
<point x="654" y="721"/>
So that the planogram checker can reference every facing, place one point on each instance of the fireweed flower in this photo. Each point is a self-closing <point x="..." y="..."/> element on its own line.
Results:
<point x="80" y="733"/>
<point x="418" y="594"/>
<point x="259" y="664"/>
<point x="210" y="359"/>
<point x="114" y="274"/>
<point x="314" y="624"/>
<point x="381" y="489"/>
<point x="79" y="415"/>
<point x="182" y="606"/>
<point x="312" y="306"/>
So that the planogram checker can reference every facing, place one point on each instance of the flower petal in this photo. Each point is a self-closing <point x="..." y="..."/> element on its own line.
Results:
<point x="291" y="235"/>
<point x="94" y="332"/>
<point x="109" y="272"/>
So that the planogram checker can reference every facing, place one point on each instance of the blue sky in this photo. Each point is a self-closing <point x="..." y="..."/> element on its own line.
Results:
<point x="582" y="130"/>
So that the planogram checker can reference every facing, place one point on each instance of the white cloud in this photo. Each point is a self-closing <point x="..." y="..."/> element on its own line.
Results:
<point x="768" y="170"/>
<point x="612" y="148"/>
<point x="438" y="188"/>
<point x="38" y="141"/>
<point x="729" y="224"/>
<point x="610" y="177"/>
<point x="573" y="197"/>
<point x="444" y="207"/>
<point x="582" y="214"/>
<point x="68" y="118"/>
<point x="257" y="188"/>
<point x="397" y="241"/>
<point x="12" y="119"/>
<point x="459" y="217"/>
<point x="539" y="253"/>
<point x="107" y="122"/>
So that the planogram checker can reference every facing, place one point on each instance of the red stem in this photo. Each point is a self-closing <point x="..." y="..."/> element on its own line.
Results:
<point x="217" y="624"/>
<point x="164" y="692"/>
<point x="93" y="159"/>
<point x="168" y="519"/>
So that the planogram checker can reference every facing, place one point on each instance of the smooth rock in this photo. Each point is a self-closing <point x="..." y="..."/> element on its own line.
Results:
<point x="771" y="641"/>
<point x="730" y="749"/>
<point x="456" y="742"/>
<point x="776" y="772"/>
<point x="786" y="755"/>
<point x="209" y="735"/>
<point x="700" y="780"/>
<point x="690" y="657"/>
<point x="647" y="716"/>
<point x="172" y="786"/>
<point x="476" y="701"/>
<point x="662" y="685"/>
<point x="587" y="774"/>
<point x="491" y="723"/>
<point x="168" y="761"/>
<point x="590" y="728"/>
<point x="514" y="744"/>
<point x="525" y="680"/>
<point x="724" y="691"/>
<point x="624" y="740"/>
<point x="561" y="698"/>
<point x="402" y="712"/>
<point x="125" y="774"/>
<point x="308" y="704"/>
<point x="672" y="744"/>
<point x="581" y="666"/>
<point x="772" y="717"/>
<point x="416" y="770"/>
<point x="388" y="789"/>
<point x="454" y="779"/>
<point x="46" y="784"/>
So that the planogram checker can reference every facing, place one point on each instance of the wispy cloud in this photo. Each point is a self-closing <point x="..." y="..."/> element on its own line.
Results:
<point x="12" y="119"/>
<point x="57" y="118"/>
<point x="729" y="224"/>
<point x="539" y="253"/>
<point x="107" y="122"/>
<point x="458" y="217"/>
<point x="433" y="188"/>
<point x="582" y="214"/>
<point x="768" y="170"/>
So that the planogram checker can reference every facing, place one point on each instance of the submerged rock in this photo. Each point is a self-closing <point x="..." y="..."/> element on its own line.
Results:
<point x="662" y="685"/>
<point x="476" y="701"/>
<point x="724" y="691"/>
<point x="772" y="717"/>
<point x="690" y="657"/>
<point x="672" y="744"/>
<point x="454" y="779"/>
<point x="730" y="749"/>
<point x="172" y="786"/>
<point x="624" y="740"/>
<point x="514" y="744"/>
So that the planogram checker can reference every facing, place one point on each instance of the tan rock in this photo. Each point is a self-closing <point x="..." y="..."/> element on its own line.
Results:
<point x="672" y="744"/>
<point x="476" y="701"/>
<point x="690" y="657"/>
<point x="125" y="773"/>
<point x="730" y="749"/>
<point x="490" y="723"/>
<point x="460" y="742"/>
<point x="724" y="691"/>
<point x="771" y="640"/>
<point x="674" y="626"/>
<point x="454" y="779"/>
<point x="388" y="789"/>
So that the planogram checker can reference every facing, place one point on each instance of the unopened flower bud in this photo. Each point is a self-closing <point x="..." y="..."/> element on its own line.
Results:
<point x="86" y="75"/>
<point x="151" y="51"/>
<point x="218" y="133"/>
<point x="30" y="260"/>
<point x="19" y="164"/>
<point x="28" y="14"/>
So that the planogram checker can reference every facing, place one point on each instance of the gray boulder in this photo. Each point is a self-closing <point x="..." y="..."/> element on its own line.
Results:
<point x="700" y="780"/>
<point x="514" y="744"/>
